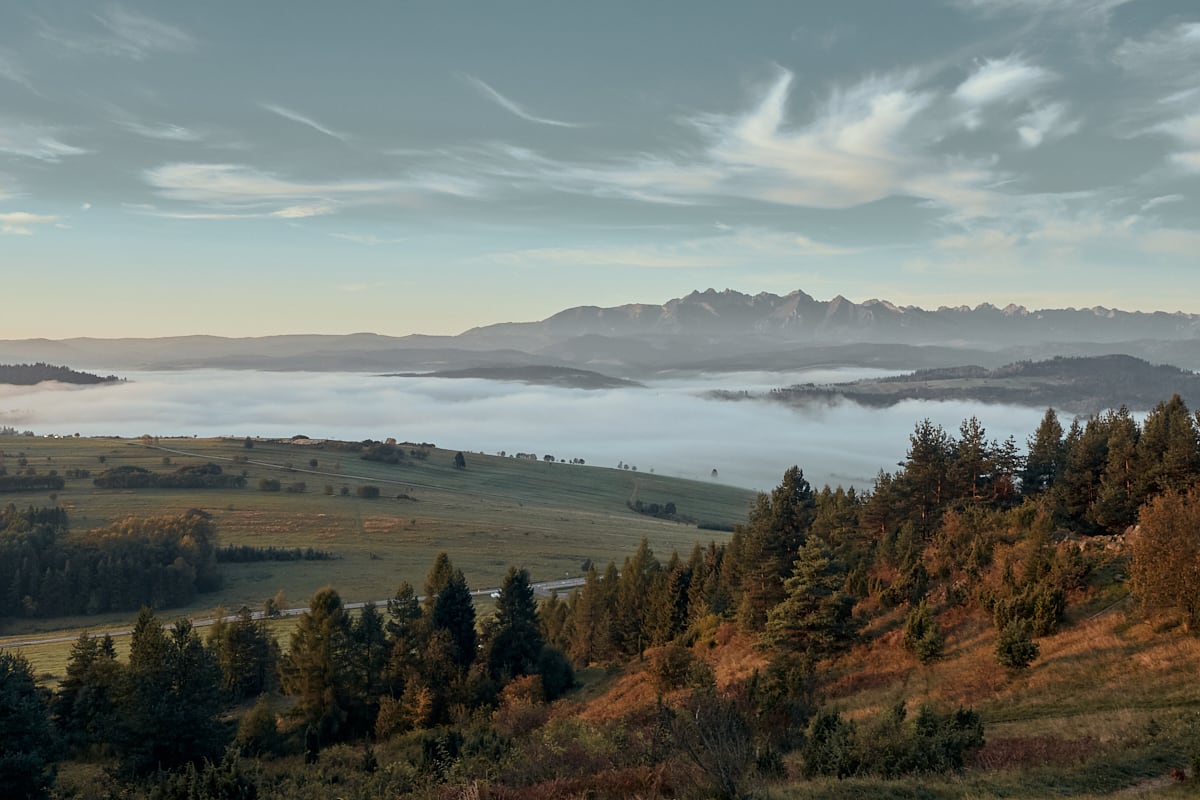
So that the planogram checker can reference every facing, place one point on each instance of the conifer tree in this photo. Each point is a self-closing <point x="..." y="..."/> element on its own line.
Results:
<point x="26" y="747"/>
<point x="453" y="611"/>
<point x="516" y="636"/>
<point x="170" y="700"/>
<point x="775" y="531"/>
<point x="638" y="574"/>
<point x="317" y="668"/>
<point x="1045" y="459"/>
<point x="815" y="616"/>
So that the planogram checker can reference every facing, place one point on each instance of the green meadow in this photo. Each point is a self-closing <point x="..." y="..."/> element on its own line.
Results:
<point x="551" y="518"/>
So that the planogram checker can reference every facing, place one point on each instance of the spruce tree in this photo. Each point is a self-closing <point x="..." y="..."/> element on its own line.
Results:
<point x="516" y="636"/>
<point x="26" y="747"/>
<point x="1044" y="462"/>
<point x="815" y="616"/>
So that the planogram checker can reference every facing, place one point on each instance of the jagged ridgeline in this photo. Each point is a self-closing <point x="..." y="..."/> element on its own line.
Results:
<point x="32" y="374"/>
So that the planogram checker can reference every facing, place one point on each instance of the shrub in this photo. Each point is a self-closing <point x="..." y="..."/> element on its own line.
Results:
<point x="922" y="636"/>
<point x="268" y="485"/>
<point x="1015" y="648"/>
<point x="369" y="492"/>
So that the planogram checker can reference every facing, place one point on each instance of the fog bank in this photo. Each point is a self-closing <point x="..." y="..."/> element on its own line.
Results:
<point x="668" y="427"/>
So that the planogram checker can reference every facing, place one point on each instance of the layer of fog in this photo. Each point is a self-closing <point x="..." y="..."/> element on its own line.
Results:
<point x="668" y="427"/>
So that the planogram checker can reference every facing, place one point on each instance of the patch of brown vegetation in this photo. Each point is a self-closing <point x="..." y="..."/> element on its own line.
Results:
<point x="663" y="780"/>
<point x="1031" y="751"/>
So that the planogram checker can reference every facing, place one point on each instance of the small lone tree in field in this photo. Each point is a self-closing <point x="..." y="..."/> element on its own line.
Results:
<point x="248" y="443"/>
<point x="369" y="492"/>
<point x="460" y="461"/>
<point x="1015" y="648"/>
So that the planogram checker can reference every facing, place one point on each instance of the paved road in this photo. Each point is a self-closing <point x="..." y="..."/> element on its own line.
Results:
<point x="542" y="589"/>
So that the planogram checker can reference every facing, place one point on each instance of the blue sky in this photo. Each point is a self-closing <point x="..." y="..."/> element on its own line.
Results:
<point x="283" y="167"/>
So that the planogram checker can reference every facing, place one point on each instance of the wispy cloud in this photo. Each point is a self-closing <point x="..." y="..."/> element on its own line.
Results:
<point x="22" y="222"/>
<point x="1045" y="123"/>
<point x="732" y="247"/>
<point x="1069" y="9"/>
<point x="164" y="132"/>
<point x="866" y="142"/>
<point x="296" y="116"/>
<point x="1186" y="132"/>
<point x="122" y="33"/>
<point x="238" y="191"/>
<point x="513" y="108"/>
<point x="238" y="183"/>
<point x="1171" y="52"/>
<point x="1001" y="80"/>
<point x="1162" y="200"/>
<point x="369" y="239"/>
<point x="12" y="70"/>
<point x="38" y="142"/>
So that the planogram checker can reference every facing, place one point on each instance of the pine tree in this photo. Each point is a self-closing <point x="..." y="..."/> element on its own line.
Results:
<point x="775" y="531"/>
<point x="1045" y="460"/>
<point x="589" y="622"/>
<point x="317" y="668"/>
<point x="815" y="616"/>
<point x="407" y="634"/>
<point x="26" y="747"/>
<point x="516" y="636"/>
<point x="1115" y="506"/>
<point x="638" y="574"/>
<point x="453" y="611"/>
<point x="167" y="710"/>
<point x="248" y="656"/>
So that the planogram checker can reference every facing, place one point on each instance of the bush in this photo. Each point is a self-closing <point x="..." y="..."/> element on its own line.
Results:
<point x="268" y="485"/>
<point x="670" y="666"/>
<point x="370" y="492"/>
<point x="1015" y="648"/>
<point x="922" y="636"/>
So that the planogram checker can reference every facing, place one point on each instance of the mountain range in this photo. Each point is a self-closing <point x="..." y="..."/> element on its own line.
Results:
<point x="703" y="331"/>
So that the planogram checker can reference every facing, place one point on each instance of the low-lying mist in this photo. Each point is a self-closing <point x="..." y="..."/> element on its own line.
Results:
<point x="668" y="427"/>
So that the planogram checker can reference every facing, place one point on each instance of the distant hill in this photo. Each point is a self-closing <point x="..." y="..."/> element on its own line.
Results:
<point x="542" y="376"/>
<point x="1080" y="385"/>
<point x="31" y="374"/>
<point x="702" y="331"/>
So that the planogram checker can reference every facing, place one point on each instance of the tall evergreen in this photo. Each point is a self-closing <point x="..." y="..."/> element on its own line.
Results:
<point x="248" y="656"/>
<point x="516" y="637"/>
<point x="26" y="747"/>
<point x="814" y="618"/>
<point x="775" y="531"/>
<point x="1115" y="506"/>
<point x="170" y="701"/>
<point x="453" y="611"/>
<point x="634" y="586"/>
<point x="1045" y="459"/>
<point x="317" y="668"/>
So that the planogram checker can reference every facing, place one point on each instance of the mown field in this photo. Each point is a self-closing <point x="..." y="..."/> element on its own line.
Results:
<point x="548" y="517"/>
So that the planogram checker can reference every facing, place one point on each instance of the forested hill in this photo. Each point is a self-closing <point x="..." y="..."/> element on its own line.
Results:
<point x="1084" y="385"/>
<point x="30" y="374"/>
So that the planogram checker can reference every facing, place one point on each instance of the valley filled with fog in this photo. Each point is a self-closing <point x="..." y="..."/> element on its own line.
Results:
<point x="669" y="426"/>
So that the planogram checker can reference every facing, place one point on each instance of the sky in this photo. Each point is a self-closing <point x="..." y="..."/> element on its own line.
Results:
<point x="280" y="166"/>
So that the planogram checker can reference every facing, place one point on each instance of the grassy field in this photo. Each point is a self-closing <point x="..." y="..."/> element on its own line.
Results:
<point x="547" y="517"/>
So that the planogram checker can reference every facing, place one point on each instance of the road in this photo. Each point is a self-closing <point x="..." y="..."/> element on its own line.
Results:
<point x="542" y="589"/>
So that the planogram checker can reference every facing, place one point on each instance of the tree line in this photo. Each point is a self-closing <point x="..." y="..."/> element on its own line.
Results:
<point x="45" y="571"/>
